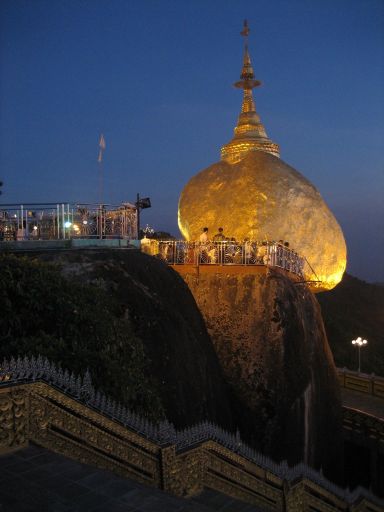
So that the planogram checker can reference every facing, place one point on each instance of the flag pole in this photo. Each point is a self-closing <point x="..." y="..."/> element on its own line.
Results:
<point x="138" y="215"/>
<point x="100" y="182"/>
<point x="100" y="160"/>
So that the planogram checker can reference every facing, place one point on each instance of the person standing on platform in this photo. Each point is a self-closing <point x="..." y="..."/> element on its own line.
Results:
<point x="203" y="248"/>
<point x="220" y="238"/>
<point x="203" y="239"/>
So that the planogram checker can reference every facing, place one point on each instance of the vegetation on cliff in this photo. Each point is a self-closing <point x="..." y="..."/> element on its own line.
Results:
<point x="77" y="325"/>
<point x="127" y="317"/>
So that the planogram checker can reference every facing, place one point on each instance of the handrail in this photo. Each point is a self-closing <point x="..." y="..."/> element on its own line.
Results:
<point x="181" y="252"/>
<point x="369" y="384"/>
<point x="64" y="221"/>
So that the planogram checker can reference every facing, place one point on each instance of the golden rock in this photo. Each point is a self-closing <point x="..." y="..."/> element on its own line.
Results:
<point x="253" y="194"/>
<point x="263" y="198"/>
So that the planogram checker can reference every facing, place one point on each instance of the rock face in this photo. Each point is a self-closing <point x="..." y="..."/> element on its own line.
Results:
<point x="269" y="336"/>
<point x="163" y="314"/>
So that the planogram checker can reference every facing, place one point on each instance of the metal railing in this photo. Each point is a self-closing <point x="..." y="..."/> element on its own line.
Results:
<point x="61" y="221"/>
<point x="180" y="252"/>
<point x="362" y="382"/>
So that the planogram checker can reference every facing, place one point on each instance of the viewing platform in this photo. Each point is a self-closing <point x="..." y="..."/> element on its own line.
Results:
<point x="67" y="221"/>
<point x="229" y="254"/>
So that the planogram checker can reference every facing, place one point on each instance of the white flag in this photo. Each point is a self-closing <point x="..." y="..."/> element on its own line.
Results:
<point x="102" y="148"/>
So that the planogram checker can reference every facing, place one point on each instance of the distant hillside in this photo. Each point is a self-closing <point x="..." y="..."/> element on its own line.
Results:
<point x="355" y="308"/>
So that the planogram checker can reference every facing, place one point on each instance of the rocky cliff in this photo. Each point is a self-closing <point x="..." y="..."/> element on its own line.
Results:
<point x="134" y="322"/>
<point x="127" y="317"/>
<point x="269" y="335"/>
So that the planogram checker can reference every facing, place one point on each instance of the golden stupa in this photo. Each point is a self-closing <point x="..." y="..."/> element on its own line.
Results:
<point x="252" y="193"/>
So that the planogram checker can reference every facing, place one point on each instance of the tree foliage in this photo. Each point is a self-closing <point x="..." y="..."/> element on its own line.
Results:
<point x="77" y="325"/>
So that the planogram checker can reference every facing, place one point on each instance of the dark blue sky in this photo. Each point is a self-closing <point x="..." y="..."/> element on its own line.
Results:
<point x="155" y="76"/>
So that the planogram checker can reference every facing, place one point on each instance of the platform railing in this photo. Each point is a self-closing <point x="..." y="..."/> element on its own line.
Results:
<point x="180" y="252"/>
<point x="64" y="221"/>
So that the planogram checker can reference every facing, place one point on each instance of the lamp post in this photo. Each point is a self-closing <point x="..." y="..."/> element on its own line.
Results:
<point x="360" y="343"/>
<point x="141" y="203"/>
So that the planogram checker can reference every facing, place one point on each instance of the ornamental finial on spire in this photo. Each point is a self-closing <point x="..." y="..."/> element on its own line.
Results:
<point x="247" y="77"/>
<point x="245" y="30"/>
<point x="250" y="134"/>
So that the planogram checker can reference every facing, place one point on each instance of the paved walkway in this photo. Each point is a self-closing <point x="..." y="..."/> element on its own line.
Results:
<point x="37" y="480"/>
<point x="364" y="402"/>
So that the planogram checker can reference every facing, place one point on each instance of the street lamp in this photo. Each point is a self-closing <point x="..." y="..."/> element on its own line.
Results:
<point x="360" y="343"/>
<point x="141" y="203"/>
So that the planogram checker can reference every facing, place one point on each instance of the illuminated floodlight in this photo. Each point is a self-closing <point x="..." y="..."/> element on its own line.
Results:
<point x="76" y="227"/>
<point x="34" y="228"/>
<point x="67" y="224"/>
<point x="85" y="222"/>
<point x="148" y="230"/>
<point x="359" y="342"/>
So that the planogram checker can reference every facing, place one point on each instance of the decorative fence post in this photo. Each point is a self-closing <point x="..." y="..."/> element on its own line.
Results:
<point x="13" y="419"/>
<point x="183" y="475"/>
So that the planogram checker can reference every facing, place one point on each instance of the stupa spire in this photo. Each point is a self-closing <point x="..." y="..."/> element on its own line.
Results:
<point x="250" y="134"/>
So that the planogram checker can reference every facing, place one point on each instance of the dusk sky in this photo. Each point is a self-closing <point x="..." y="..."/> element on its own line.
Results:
<point x="155" y="77"/>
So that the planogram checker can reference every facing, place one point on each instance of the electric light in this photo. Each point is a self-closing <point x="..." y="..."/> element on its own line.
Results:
<point x="85" y="222"/>
<point x="148" y="230"/>
<point x="34" y="228"/>
<point x="67" y="224"/>
<point x="359" y="342"/>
